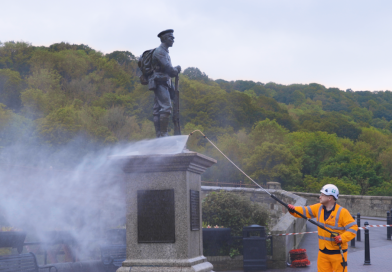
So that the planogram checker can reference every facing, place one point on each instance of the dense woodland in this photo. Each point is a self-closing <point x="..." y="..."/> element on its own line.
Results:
<point x="302" y="135"/>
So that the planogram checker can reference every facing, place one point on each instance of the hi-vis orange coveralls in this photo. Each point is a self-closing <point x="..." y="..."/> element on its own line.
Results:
<point x="340" y="221"/>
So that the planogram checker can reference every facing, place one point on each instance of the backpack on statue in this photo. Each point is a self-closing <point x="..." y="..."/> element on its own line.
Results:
<point x="145" y="66"/>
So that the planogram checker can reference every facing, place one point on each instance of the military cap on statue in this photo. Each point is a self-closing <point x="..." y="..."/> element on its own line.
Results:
<point x="165" y="32"/>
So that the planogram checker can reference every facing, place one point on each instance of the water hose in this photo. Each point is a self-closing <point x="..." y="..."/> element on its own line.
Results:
<point x="333" y="234"/>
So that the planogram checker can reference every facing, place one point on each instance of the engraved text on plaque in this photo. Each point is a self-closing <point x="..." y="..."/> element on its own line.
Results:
<point x="195" y="210"/>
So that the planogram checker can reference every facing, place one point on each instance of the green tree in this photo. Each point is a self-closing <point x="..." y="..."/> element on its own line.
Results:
<point x="194" y="73"/>
<point x="146" y="131"/>
<point x="5" y="115"/>
<point x="362" y="115"/>
<point x="122" y="57"/>
<point x="273" y="162"/>
<point x="331" y="123"/>
<point x="233" y="146"/>
<point x="232" y="211"/>
<point x="119" y="123"/>
<point x="313" y="149"/>
<point x="361" y="170"/>
<point x="298" y="98"/>
<point x="380" y="123"/>
<point x="36" y="104"/>
<point x="13" y="127"/>
<point x="60" y="126"/>
<point x="45" y="80"/>
<point x="376" y="139"/>
<point x="267" y="131"/>
<point x="385" y="159"/>
<point x="260" y="89"/>
<point x="364" y="149"/>
<point x="385" y="189"/>
<point x="16" y="56"/>
<point x="11" y="85"/>
<point x="90" y="122"/>
<point x="314" y="185"/>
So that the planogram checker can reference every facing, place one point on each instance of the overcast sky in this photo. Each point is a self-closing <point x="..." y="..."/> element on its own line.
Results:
<point x="337" y="43"/>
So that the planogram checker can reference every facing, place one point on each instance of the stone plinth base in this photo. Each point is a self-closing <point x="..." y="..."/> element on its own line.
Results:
<point x="164" y="226"/>
<point x="198" y="264"/>
<point x="204" y="267"/>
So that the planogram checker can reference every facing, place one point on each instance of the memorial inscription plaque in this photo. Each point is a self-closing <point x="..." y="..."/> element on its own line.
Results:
<point x="195" y="210"/>
<point x="155" y="216"/>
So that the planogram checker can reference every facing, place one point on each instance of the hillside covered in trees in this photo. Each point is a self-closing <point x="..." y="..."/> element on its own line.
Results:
<point x="302" y="135"/>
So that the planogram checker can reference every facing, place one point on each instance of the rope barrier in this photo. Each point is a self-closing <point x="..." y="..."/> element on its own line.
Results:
<point x="375" y="226"/>
<point x="298" y="233"/>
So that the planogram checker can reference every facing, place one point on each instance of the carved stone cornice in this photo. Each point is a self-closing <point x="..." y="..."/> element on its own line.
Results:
<point x="190" y="161"/>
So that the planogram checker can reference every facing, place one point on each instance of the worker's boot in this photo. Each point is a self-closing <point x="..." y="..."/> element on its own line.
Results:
<point x="163" y="123"/>
<point x="157" y="126"/>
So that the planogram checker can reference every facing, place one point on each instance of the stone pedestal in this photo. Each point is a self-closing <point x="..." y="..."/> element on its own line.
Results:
<point x="164" y="226"/>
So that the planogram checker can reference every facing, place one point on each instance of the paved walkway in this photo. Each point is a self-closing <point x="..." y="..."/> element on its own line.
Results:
<point x="380" y="250"/>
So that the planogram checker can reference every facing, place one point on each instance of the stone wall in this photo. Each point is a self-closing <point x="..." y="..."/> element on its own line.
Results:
<point x="225" y="263"/>
<point x="287" y="224"/>
<point x="365" y="205"/>
<point x="281" y="220"/>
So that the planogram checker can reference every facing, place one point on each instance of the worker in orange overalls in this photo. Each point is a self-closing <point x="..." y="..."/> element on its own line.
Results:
<point x="335" y="218"/>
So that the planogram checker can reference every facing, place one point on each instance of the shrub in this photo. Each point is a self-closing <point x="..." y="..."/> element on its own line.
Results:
<point x="232" y="211"/>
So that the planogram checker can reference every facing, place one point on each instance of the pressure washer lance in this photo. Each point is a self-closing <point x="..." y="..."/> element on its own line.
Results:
<point x="333" y="234"/>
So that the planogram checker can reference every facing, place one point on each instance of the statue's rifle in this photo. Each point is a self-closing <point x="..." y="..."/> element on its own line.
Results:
<point x="176" y="111"/>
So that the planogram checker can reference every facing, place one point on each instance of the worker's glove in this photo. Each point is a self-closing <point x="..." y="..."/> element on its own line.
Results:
<point x="338" y="239"/>
<point x="291" y="208"/>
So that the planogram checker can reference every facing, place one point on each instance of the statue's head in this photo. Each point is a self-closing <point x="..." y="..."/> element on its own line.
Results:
<point x="167" y="37"/>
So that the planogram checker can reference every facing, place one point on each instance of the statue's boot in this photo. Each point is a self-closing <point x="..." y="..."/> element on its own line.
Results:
<point x="157" y="126"/>
<point x="163" y="123"/>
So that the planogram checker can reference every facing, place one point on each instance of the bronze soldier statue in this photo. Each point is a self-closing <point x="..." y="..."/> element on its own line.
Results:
<point x="160" y="82"/>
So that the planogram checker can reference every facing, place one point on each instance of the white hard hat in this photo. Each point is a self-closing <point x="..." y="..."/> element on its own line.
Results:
<point x="330" y="189"/>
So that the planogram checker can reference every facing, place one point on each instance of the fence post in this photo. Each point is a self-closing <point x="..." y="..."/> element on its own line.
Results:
<point x="353" y="240"/>
<point x="359" y="224"/>
<point x="367" y="245"/>
<point x="271" y="244"/>
<point x="389" y="217"/>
